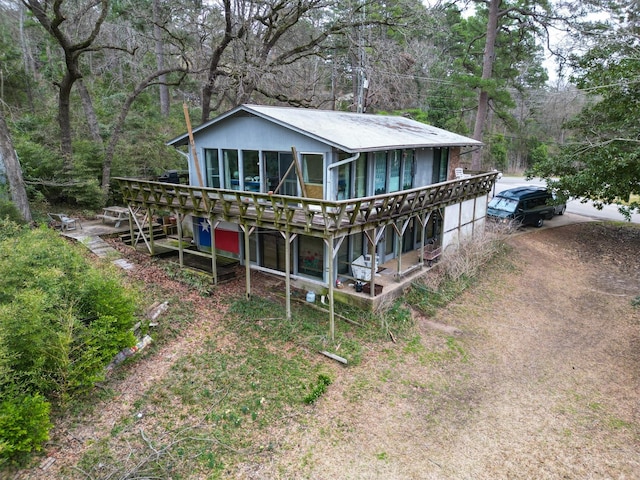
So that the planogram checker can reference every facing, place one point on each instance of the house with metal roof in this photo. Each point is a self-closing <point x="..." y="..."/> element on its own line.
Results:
<point x="323" y="198"/>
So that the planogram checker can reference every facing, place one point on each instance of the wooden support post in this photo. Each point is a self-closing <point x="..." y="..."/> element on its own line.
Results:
<point x="214" y="265"/>
<point x="398" y="251"/>
<point x="180" y="249"/>
<point x="303" y="187"/>
<point x="132" y="218"/>
<point x="399" y="236"/>
<point x="425" y="222"/>
<point x="152" y="248"/>
<point x="247" y="259"/>
<point x="287" y="267"/>
<point x="422" y="242"/>
<point x="332" y="284"/>
<point x="373" y="243"/>
<point x="372" y="283"/>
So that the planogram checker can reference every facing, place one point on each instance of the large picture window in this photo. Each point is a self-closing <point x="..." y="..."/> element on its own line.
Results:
<point x="213" y="167"/>
<point x="361" y="176"/>
<point x="276" y="164"/>
<point x="407" y="170"/>
<point x="393" y="171"/>
<point x="395" y="161"/>
<point x="231" y="169"/>
<point x="380" y="173"/>
<point x="251" y="170"/>
<point x="440" y="164"/>
<point x="312" y="168"/>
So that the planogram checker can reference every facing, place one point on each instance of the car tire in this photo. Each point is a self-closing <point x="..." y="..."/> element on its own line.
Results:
<point x="539" y="222"/>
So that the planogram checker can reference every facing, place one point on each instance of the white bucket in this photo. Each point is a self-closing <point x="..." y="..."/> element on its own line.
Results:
<point x="311" y="297"/>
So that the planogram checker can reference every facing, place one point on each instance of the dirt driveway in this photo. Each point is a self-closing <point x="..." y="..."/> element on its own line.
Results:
<point x="542" y="381"/>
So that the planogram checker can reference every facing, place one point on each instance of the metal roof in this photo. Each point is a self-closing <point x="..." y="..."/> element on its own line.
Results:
<point x="350" y="132"/>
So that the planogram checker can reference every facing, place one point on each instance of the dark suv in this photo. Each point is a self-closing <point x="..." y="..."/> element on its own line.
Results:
<point x="522" y="206"/>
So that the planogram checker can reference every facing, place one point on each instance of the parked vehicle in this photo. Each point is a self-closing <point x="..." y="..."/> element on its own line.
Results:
<point x="524" y="206"/>
<point x="558" y="208"/>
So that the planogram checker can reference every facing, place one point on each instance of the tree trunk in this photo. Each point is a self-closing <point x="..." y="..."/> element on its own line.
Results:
<point x="487" y="71"/>
<point x="27" y="59"/>
<point x="89" y="112"/>
<point x="159" y="48"/>
<point x="64" y="121"/>
<point x="119" y="124"/>
<point x="14" y="171"/>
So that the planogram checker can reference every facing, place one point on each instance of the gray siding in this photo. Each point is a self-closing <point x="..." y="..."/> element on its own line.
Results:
<point x="251" y="133"/>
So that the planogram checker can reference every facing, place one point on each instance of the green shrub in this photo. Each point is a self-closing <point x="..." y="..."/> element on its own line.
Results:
<point x="24" y="426"/>
<point x="318" y="389"/>
<point x="63" y="319"/>
<point x="9" y="228"/>
<point x="9" y="211"/>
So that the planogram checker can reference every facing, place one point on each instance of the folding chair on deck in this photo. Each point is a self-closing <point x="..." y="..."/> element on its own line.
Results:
<point x="63" y="222"/>
<point x="460" y="173"/>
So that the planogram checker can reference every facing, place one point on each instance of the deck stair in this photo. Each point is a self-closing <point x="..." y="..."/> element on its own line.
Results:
<point x="158" y="234"/>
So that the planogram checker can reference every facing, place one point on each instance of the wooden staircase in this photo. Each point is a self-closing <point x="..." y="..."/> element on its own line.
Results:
<point x="158" y="234"/>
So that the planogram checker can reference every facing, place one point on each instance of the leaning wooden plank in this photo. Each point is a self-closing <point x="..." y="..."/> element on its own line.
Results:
<point x="334" y="357"/>
<point x="314" y="306"/>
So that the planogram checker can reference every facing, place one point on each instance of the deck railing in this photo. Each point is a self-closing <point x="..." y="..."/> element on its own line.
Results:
<point x="321" y="218"/>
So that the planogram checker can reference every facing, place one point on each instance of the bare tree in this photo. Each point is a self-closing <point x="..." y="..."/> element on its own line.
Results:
<point x="124" y="111"/>
<point x="54" y="20"/>
<point x="263" y="43"/>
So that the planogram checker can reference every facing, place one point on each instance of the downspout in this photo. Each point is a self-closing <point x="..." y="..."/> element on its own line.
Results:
<point x="336" y="165"/>
<point x="331" y="259"/>
<point x="186" y="155"/>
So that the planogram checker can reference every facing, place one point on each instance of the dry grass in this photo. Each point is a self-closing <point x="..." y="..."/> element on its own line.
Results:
<point x="542" y="383"/>
<point x="531" y="373"/>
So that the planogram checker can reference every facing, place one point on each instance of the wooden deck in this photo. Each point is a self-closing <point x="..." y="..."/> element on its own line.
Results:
<point x="319" y="218"/>
<point x="330" y="220"/>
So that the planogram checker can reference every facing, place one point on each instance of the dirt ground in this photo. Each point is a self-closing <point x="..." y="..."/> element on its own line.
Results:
<point x="539" y="379"/>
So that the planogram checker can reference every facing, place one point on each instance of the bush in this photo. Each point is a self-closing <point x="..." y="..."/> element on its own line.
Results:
<point x="24" y="426"/>
<point x="62" y="320"/>
<point x="9" y="211"/>
<point x="9" y="228"/>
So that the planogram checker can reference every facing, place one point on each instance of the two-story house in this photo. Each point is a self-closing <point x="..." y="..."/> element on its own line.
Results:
<point x="315" y="195"/>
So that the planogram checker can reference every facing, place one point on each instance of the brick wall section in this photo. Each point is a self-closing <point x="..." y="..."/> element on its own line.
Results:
<point x="454" y="162"/>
